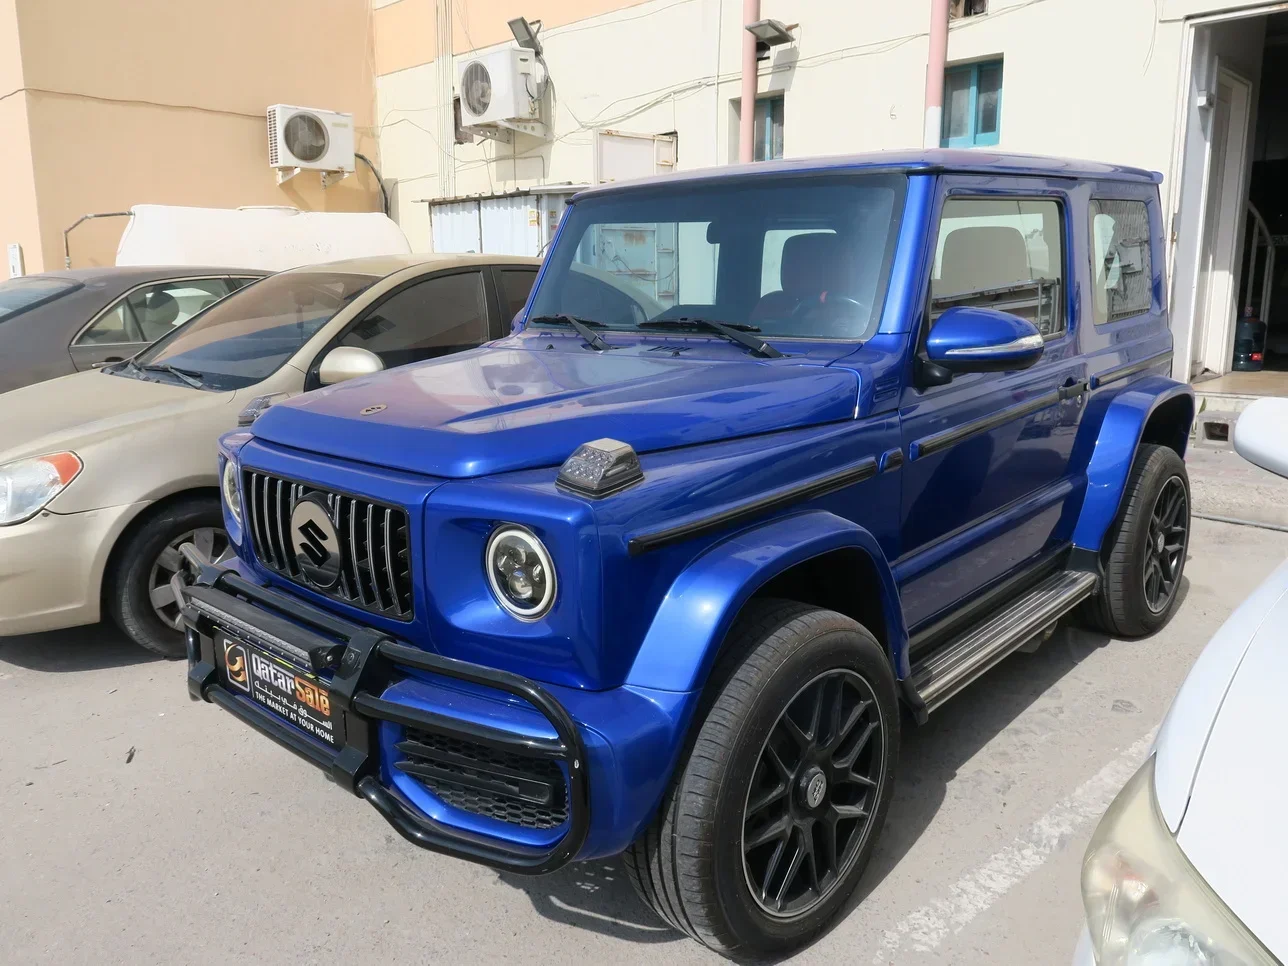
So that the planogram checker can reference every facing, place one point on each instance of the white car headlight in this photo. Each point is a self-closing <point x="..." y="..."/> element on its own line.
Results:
<point x="520" y="572"/>
<point x="1146" y="905"/>
<point x="231" y="491"/>
<point x="26" y="486"/>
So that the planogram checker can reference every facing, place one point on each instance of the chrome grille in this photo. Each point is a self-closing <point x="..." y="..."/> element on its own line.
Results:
<point x="375" y="572"/>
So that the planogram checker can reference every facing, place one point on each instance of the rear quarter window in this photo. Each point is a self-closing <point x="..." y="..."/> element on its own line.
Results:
<point x="1122" y="276"/>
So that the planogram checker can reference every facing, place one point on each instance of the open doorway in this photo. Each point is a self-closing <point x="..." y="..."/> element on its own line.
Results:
<point x="1264" y="257"/>
<point x="1231" y="261"/>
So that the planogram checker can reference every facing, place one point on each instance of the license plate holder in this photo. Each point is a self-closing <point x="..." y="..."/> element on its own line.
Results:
<point x="287" y="691"/>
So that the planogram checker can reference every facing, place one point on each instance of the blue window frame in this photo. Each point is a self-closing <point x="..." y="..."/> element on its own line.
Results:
<point x="972" y="105"/>
<point x="769" y="128"/>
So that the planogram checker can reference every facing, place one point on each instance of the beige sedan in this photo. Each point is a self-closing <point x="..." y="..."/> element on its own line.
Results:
<point x="104" y="474"/>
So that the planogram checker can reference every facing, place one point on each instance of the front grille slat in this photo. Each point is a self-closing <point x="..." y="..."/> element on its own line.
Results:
<point x="371" y="557"/>
<point x="389" y="559"/>
<point x="378" y="537"/>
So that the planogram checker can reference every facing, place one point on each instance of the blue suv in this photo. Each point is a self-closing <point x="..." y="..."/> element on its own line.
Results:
<point x="775" y="457"/>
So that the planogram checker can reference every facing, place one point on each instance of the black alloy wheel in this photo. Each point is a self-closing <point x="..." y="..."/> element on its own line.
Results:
<point x="810" y="804"/>
<point x="1165" y="544"/>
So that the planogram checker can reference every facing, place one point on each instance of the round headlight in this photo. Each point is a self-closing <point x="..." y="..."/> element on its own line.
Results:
<point x="520" y="573"/>
<point x="232" y="495"/>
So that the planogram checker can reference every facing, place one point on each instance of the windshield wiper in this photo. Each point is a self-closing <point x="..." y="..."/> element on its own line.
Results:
<point x="194" y="379"/>
<point x="733" y="331"/>
<point x="582" y="326"/>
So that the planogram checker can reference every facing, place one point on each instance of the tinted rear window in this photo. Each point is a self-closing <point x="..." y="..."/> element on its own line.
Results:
<point x="19" y="294"/>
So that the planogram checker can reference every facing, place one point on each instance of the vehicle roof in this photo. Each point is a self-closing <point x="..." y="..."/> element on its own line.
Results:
<point x="143" y="273"/>
<point x="388" y="264"/>
<point x="921" y="161"/>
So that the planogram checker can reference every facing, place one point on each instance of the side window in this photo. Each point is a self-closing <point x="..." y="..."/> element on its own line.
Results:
<point x="516" y="283"/>
<point x="151" y="311"/>
<point x="1122" y="279"/>
<point x="1003" y="253"/>
<point x="428" y="319"/>
<point x="167" y="305"/>
<point x="116" y="326"/>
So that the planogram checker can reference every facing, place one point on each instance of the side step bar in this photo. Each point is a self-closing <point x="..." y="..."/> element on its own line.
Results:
<point x="961" y="660"/>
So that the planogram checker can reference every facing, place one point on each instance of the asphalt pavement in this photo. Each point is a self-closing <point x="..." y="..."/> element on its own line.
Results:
<point x="139" y="827"/>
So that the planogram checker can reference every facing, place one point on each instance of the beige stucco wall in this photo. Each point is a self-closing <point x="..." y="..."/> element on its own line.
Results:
<point x="162" y="101"/>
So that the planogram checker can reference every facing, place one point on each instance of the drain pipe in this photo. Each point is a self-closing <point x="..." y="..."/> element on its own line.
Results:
<point x="747" y="112"/>
<point x="935" y="64"/>
<point x="67" y="250"/>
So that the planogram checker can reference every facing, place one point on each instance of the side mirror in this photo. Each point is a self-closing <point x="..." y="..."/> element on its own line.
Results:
<point x="1260" y="436"/>
<point x="974" y="339"/>
<point x="347" y="362"/>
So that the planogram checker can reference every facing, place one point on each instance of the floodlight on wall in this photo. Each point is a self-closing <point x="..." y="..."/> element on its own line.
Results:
<point x="525" y="34"/>
<point x="772" y="33"/>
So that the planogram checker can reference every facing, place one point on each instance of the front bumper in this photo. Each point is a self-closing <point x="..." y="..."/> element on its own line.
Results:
<point x="616" y="748"/>
<point x="51" y="568"/>
<point x="363" y="663"/>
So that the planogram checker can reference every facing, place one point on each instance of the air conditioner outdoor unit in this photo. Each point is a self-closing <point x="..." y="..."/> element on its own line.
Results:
<point x="305" y="139"/>
<point x="500" y="93"/>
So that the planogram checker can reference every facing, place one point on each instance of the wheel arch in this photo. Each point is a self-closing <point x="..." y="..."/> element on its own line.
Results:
<point x="1155" y="410"/>
<point x="107" y="580"/>
<point x="778" y="558"/>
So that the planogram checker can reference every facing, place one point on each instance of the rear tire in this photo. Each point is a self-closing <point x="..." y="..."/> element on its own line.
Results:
<point x="794" y="678"/>
<point x="138" y="597"/>
<point x="1142" y="579"/>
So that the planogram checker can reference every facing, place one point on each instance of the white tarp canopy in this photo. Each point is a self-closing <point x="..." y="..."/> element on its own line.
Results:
<point x="272" y="239"/>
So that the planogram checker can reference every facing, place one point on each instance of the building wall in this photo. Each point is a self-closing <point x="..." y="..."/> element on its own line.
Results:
<point x="162" y="101"/>
<point x="1082" y="78"/>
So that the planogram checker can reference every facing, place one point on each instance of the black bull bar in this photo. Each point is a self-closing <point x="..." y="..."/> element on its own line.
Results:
<point x="363" y="661"/>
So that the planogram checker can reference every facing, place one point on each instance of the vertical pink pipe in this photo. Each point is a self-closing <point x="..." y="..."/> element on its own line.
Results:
<point x="747" y="112"/>
<point x="935" y="64"/>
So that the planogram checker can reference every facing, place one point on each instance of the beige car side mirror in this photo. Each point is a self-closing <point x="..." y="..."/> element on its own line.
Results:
<point x="1261" y="435"/>
<point x="347" y="362"/>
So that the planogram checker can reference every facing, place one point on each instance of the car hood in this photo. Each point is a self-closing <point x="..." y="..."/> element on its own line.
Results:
<point x="88" y="407"/>
<point x="500" y="409"/>
<point x="1233" y="827"/>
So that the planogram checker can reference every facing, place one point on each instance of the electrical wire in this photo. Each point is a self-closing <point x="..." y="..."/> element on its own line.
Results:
<point x="384" y="195"/>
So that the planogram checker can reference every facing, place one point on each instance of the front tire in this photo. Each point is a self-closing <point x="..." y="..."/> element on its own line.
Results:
<point x="771" y="821"/>
<point x="1145" y="548"/>
<point x="139" y="598"/>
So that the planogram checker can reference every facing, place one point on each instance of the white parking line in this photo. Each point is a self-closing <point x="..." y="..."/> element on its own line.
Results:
<point x="927" y="927"/>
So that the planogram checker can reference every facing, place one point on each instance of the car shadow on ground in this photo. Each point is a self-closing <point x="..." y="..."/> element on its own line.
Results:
<point x="91" y="648"/>
<point x="597" y="896"/>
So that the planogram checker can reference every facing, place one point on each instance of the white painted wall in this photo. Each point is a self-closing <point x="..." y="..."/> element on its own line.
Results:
<point x="1096" y="79"/>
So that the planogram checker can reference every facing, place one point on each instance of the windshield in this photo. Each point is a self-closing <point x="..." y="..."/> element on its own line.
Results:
<point x="795" y="257"/>
<point x="19" y="294"/>
<point x="247" y="336"/>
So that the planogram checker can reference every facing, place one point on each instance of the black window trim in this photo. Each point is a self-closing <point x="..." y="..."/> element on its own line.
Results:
<point x="156" y="281"/>
<point x="1103" y="193"/>
<point x="502" y="327"/>
<point x="489" y="307"/>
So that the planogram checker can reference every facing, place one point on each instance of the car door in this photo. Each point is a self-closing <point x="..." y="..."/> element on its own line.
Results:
<point x="425" y="318"/>
<point x="988" y="467"/>
<point x="143" y="315"/>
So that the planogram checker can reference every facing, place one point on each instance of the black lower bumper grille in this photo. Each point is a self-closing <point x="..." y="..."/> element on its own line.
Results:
<point x="475" y="778"/>
<point x="375" y="559"/>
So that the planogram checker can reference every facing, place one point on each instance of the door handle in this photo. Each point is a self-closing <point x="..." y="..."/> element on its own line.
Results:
<point x="106" y="362"/>
<point x="1073" y="389"/>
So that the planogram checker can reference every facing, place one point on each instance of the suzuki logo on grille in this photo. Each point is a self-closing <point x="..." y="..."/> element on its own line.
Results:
<point x="316" y="543"/>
